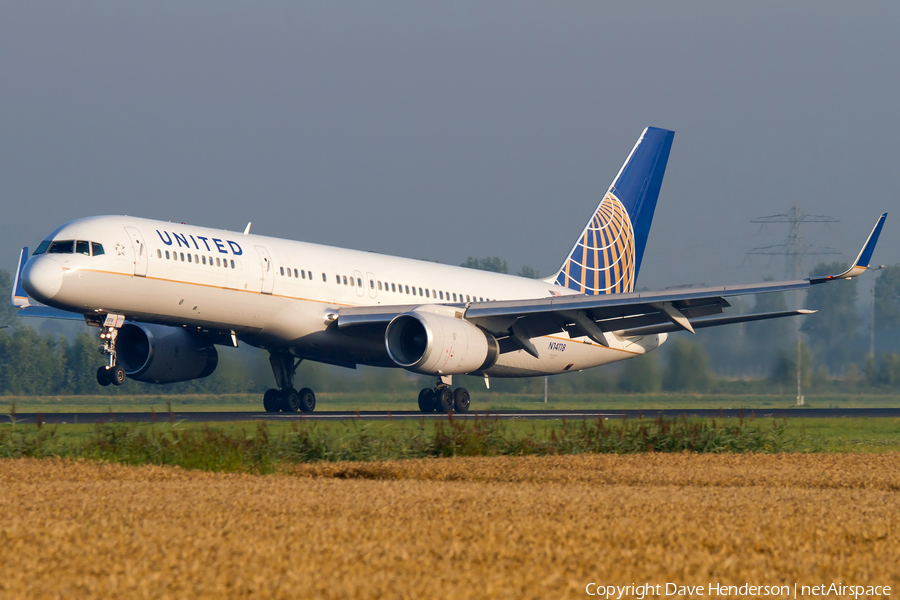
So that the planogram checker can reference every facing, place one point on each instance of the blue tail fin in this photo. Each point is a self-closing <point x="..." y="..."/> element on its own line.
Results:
<point x="607" y="255"/>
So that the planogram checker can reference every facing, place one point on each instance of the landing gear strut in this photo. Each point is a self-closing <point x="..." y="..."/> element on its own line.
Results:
<point x="286" y="398"/>
<point x="444" y="400"/>
<point x="109" y="330"/>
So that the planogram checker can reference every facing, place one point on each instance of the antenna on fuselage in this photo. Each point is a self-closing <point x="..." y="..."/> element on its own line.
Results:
<point x="247" y="228"/>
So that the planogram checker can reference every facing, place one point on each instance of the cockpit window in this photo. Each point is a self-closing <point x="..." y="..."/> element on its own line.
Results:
<point x="62" y="247"/>
<point x="68" y="247"/>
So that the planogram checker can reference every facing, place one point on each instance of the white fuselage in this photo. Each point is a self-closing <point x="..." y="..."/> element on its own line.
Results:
<point x="279" y="294"/>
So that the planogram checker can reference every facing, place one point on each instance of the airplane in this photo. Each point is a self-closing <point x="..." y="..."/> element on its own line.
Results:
<point x="163" y="296"/>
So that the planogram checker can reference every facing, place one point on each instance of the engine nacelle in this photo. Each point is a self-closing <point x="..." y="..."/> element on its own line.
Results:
<point x="437" y="344"/>
<point x="162" y="354"/>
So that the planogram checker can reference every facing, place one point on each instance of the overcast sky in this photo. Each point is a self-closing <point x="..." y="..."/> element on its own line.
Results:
<point x="447" y="130"/>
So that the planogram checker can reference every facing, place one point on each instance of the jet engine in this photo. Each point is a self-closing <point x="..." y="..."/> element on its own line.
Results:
<point x="162" y="354"/>
<point x="437" y="344"/>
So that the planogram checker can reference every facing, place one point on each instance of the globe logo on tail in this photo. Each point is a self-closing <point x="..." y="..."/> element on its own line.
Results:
<point x="602" y="261"/>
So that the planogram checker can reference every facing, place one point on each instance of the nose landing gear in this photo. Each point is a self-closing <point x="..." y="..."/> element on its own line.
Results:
<point x="444" y="400"/>
<point x="109" y="330"/>
<point x="286" y="398"/>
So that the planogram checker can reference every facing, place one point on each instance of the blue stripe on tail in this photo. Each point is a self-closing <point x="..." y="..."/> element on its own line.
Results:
<point x="607" y="256"/>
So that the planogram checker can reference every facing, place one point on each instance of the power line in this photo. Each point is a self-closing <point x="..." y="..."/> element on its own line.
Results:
<point x="794" y="248"/>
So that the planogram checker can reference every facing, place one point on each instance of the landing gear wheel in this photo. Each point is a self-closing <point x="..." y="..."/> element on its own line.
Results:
<point x="307" y="400"/>
<point x="427" y="400"/>
<point x="461" y="400"/>
<point x="444" y="399"/>
<point x="103" y="376"/>
<point x="272" y="400"/>
<point x="117" y="375"/>
<point x="290" y="400"/>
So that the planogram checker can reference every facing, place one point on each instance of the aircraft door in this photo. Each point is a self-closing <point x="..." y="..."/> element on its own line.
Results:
<point x="267" y="280"/>
<point x="359" y="284"/>
<point x="140" y="251"/>
<point x="370" y="281"/>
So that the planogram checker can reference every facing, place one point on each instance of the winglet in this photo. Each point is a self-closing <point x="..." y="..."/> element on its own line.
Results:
<point x="861" y="263"/>
<point x="19" y="297"/>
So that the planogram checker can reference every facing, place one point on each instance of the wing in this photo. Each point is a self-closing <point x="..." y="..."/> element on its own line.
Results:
<point x="515" y="322"/>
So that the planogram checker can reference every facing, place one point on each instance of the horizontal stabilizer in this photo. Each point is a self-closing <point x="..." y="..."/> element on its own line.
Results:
<point x="713" y="322"/>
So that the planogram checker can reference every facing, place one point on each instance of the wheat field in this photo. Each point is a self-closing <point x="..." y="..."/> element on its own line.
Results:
<point x="531" y="527"/>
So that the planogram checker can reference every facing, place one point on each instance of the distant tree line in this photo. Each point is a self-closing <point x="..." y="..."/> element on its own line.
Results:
<point x="495" y="264"/>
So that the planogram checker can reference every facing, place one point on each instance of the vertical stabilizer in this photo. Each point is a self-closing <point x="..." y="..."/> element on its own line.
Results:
<point x="607" y="255"/>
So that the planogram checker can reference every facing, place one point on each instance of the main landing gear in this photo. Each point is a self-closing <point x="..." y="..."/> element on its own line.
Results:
<point x="112" y="373"/>
<point x="286" y="398"/>
<point x="444" y="400"/>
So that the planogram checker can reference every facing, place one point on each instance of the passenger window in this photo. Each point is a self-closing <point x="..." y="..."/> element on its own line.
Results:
<point x="232" y="263"/>
<point x="345" y="280"/>
<point x="182" y="257"/>
<point x="189" y="258"/>
<point x="441" y="294"/>
<point x="296" y="275"/>
<point x="467" y="298"/>
<point x="407" y="289"/>
<point x="302" y="274"/>
<point x="454" y="296"/>
<point x="282" y="271"/>
<point x="196" y="259"/>
<point x="217" y="262"/>
<point x="372" y="283"/>
<point x="42" y="248"/>
<point x="393" y="288"/>
<point x="323" y="278"/>
<point x="359" y="281"/>
<point x="158" y="253"/>
<point x="338" y="279"/>
<point x="97" y="249"/>
<point x="420" y="291"/>
<point x="167" y="255"/>
<point x="480" y="299"/>
<point x="426" y="294"/>
<point x="379" y="286"/>
<point x="204" y="259"/>
<point x="414" y="290"/>
<point x="61" y="247"/>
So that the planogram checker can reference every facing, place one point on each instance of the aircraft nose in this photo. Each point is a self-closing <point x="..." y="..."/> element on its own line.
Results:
<point x="42" y="278"/>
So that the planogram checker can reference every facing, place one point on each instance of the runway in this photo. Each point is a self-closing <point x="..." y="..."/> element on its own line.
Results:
<point x="537" y="415"/>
